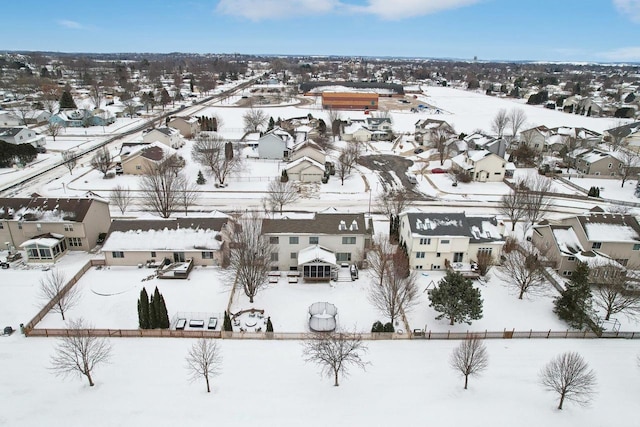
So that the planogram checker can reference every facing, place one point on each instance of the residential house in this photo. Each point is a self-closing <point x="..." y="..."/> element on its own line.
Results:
<point x="316" y="245"/>
<point x="598" y="162"/>
<point x="479" y="141"/>
<point x="436" y="241"/>
<point x="22" y="135"/>
<point x="165" y="135"/>
<point x="47" y="227"/>
<point x="10" y="119"/>
<point x="188" y="126"/>
<point x="135" y="242"/>
<point x="305" y="169"/>
<point x="381" y="128"/>
<point x="481" y="165"/>
<point x="275" y="144"/>
<point x="628" y="135"/>
<point x="83" y="118"/>
<point x="356" y="131"/>
<point x="588" y="238"/>
<point x="310" y="149"/>
<point x="536" y="138"/>
<point x="139" y="158"/>
<point x="426" y="129"/>
<point x="542" y="138"/>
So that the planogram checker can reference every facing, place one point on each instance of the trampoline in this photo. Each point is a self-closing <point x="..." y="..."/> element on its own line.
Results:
<point x="322" y="317"/>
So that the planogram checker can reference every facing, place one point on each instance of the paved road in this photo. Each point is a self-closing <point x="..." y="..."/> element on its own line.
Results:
<point x="392" y="171"/>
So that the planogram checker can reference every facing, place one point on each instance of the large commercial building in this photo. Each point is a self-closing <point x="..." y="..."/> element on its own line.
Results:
<point x="350" y="101"/>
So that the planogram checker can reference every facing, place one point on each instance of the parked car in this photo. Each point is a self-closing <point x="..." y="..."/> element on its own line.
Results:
<point x="418" y="150"/>
<point x="439" y="170"/>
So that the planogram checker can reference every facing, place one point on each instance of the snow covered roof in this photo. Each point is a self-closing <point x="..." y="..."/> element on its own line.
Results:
<point x="567" y="240"/>
<point x="305" y="159"/>
<point x="607" y="227"/>
<point x="49" y="240"/>
<point x="45" y="209"/>
<point x="316" y="253"/>
<point x="479" y="229"/>
<point x="321" y="223"/>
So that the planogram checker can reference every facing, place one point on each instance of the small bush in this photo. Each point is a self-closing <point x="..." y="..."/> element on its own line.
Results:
<point x="388" y="327"/>
<point x="463" y="177"/>
<point x="377" y="326"/>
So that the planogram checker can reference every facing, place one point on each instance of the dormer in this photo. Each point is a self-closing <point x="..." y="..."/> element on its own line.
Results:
<point x="342" y="226"/>
<point x="354" y="226"/>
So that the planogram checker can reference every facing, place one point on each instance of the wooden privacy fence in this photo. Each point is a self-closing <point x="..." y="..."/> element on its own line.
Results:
<point x="416" y="334"/>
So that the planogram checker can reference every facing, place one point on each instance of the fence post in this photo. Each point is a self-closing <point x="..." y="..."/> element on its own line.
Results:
<point x="429" y="333"/>
<point x="530" y="331"/>
<point x="566" y="334"/>
<point x="485" y="334"/>
<point x="448" y="333"/>
<point x="549" y="333"/>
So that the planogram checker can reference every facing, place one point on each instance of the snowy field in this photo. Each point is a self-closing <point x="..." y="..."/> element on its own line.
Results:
<point x="268" y="383"/>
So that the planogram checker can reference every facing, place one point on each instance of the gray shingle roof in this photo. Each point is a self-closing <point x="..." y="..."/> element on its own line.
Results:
<point x="320" y="224"/>
<point x="478" y="229"/>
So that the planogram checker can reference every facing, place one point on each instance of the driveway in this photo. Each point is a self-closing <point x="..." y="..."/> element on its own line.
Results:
<point x="385" y="164"/>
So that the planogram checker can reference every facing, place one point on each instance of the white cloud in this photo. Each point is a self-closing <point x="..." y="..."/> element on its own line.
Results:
<point x="71" y="24"/>
<point x="629" y="7"/>
<point x="631" y="53"/>
<point x="400" y="9"/>
<point x="257" y="10"/>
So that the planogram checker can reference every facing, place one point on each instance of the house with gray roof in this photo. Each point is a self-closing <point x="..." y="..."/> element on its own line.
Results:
<point x="436" y="241"/>
<point x="317" y="244"/>
<point x="275" y="144"/>
<point x="168" y="136"/>
<point x="22" y="135"/>
<point x="628" y="135"/>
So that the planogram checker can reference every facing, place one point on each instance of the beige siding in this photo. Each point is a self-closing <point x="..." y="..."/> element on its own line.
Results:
<point x="331" y="242"/>
<point x="132" y="258"/>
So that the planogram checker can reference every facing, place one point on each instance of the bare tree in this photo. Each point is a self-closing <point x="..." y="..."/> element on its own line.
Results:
<point x="522" y="269"/>
<point x="282" y="193"/>
<point x="160" y="187"/>
<point x="25" y="113"/>
<point x="254" y="119"/>
<point x="500" y="122"/>
<point x="121" y="196"/>
<point x="535" y="191"/>
<point x="211" y="151"/>
<point x="380" y="258"/>
<point x="398" y="293"/>
<point x="512" y="206"/>
<point x="569" y="376"/>
<point x="335" y="352"/>
<point x="69" y="159"/>
<point x="204" y="360"/>
<point x="517" y="118"/>
<point x="470" y="358"/>
<point x="79" y="352"/>
<point x="52" y="289"/>
<point x="440" y="141"/>
<point x="346" y="160"/>
<point x="629" y="164"/>
<point x="393" y="201"/>
<point x="251" y="255"/>
<point x="610" y="281"/>
<point x="130" y="108"/>
<point x="187" y="194"/>
<point x="95" y="93"/>
<point x="333" y="119"/>
<point x="616" y="139"/>
<point x="102" y="161"/>
<point x="54" y="129"/>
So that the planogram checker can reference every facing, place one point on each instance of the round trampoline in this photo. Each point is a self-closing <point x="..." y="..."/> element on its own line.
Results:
<point x="322" y="317"/>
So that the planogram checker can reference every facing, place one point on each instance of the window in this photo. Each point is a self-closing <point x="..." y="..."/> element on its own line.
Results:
<point x="425" y="241"/>
<point x="485" y="251"/>
<point x="420" y="254"/>
<point x="567" y="273"/>
<point x="294" y="255"/>
<point x="293" y="240"/>
<point x="74" y="241"/>
<point x="274" y="240"/>
<point x="418" y="267"/>
<point x="138" y="167"/>
<point x="313" y="240"/>
<point x="153" y="254"/>
<point x="274" y="256"/>
<point x="117" y="254"/>
<point x="437" y="254"/>
<point x="435" y="267"/>
<point x="68" y="227"/>
<point x="19" y="226"/>
<point x="497" y="173"/>
<point x="571" y="258"/>
<point x="596" y="245"/>
<point x="458" y="256"/>
<point x="39" y="227"/>
<point x="343" y="256"/>
<point x="636" y="247"/>
<point x="178" y="257"/>
<point x="444" y="242"/>
<point x="207" y="255"/>
<point x="348" y="240"/>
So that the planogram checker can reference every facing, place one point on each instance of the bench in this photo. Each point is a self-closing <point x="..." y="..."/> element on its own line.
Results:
<point x="195" y="323"/>
<point x="213" y="322"/>
<point x="181" y="323"/>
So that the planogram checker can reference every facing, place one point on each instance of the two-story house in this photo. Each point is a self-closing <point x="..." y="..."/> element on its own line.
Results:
<point x="316" y="245"/>
<point x="582" y="237"/>
<point x="167" y="136"/>
<point x="275" y="144"/>
<point x="598" y="162"/>
<point x="426" y="129"/>
<point x="47" y="227"/>
<point x="481" y="165"/>
<point x="140" y="158"/>
<point x="381" y="128"/>
<point x="22" y="135"/>
<point x="188" y="127"/>
<point x="134" y="242"/>
<point x="435" y="241"/>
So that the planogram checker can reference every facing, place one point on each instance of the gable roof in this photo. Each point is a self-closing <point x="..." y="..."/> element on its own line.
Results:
<point x="321" y="223"/>
<point x="10" y="131"/>
<point x="45" y="209"/>
<point x="607" y="227"/>
<point x="305" y="159"/>
<point x="478" y="229"/>
<point x="625" y="130"/>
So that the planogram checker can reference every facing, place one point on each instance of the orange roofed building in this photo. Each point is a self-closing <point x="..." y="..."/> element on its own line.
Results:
<point x="350" y="101"/>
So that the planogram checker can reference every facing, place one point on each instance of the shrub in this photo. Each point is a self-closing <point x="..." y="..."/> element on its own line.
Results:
<point x="388" y="327"/>
<point x="269" y="325"/>
<point x="463" y="177"/>
<point x="377" y="326"/>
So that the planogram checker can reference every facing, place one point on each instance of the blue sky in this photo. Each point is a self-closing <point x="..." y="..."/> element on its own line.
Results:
<point x="549" y="30"/>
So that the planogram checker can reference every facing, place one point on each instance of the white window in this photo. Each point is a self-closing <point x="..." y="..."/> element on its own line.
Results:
<point x="348" y="240"/>
<point x="420" y="254"/>
<point x="294" y="255"/>
<point x="444" y="242"/>
<point x="274" y="256"/>
<point x="68" y="227"/>
<point x="596" y="245"/>
<point x="343" y="256"/>
<point x="425" y="241"/>
<point x="293" y="240"/>
<point x="438" y="254"/>
<point x="207" y="255"/>
<point x="117" y="254"/>
<point x="274" y="240"/>
<point x="39" y="227"/>
<point x="313" y="240"/>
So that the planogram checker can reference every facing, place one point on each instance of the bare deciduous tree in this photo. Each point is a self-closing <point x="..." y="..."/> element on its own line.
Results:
<point x="333" y="120"/>
<point x="398" y="293"/>
<point x="512" y="206"/>
<point x="121" y="196"/>
<point x="517" y="117"/>
<point x="535" y="191"/>
<point x="250" y="258"/>
<point x="335" y="352"/>
<point x="610" y="281"/>
<point x="393" y="201"/>
<point x="440" y="141"/>
<point x="254" y="119"/>
<point x="500" y="122"/>
<point x="51" y="289"/>
<point x="78" y="353"/>
<point x="102" y="161"/>
<point x="629" y="164"/>
<point x="204" y="360"/>
<point x="380" y="258"/>
<point x="282" y="193"/>
<point x="25" y="113"/>
<point x="160" y="187"/>
<point x="54" y="129"/>
<point x="95" y="93"/>
<point x="187" y="194"/>
<point x="130" y="108"/>
<point x="346" y="160"/>
<point x="210" y="151"/>
<point x="69" y="159"/>
<point x="470" y="358"/>
<point x="522" y="270"/>
<point x="569" y="376"/>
